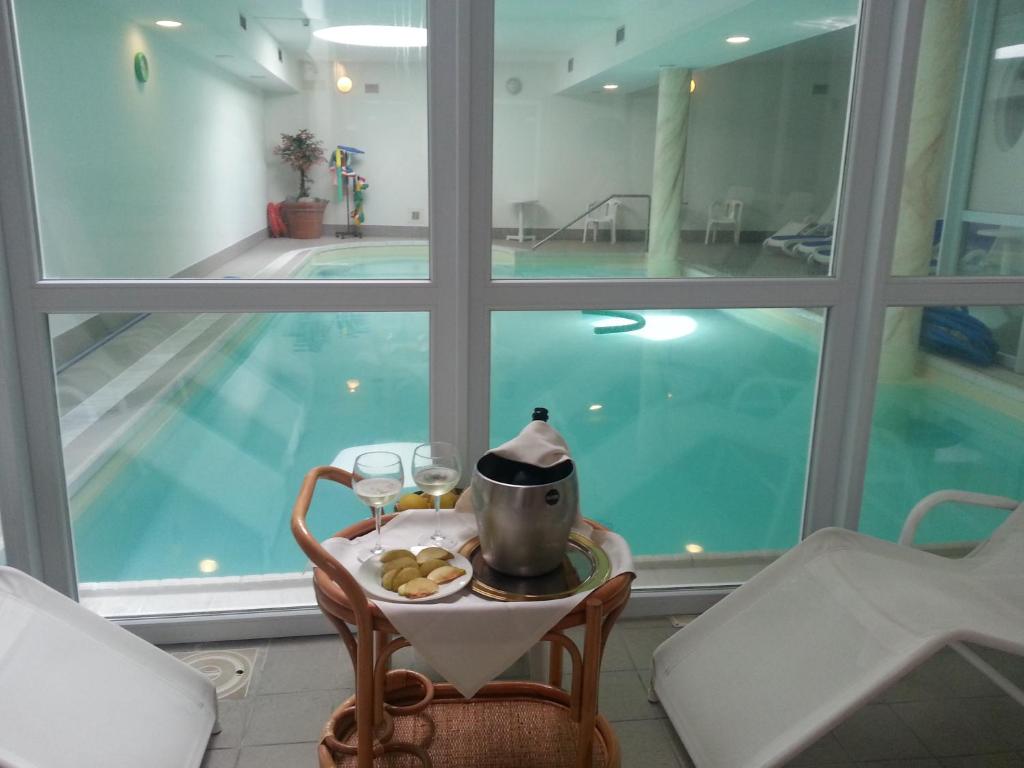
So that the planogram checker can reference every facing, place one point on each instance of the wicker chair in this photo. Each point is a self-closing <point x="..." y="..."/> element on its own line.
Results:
<point x="403" y="719"/>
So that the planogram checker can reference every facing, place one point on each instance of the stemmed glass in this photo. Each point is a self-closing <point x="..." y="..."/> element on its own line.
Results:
<point x="436" y="470"/>
<point x="377" y="480"/>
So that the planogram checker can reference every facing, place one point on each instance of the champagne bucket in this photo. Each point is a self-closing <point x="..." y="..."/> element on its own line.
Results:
<point x="524" y="514"/>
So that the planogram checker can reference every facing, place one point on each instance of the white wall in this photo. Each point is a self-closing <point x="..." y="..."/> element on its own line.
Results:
<point x="391" y="126"/>
<point x="134" y="180"/>
<point x="755" y="123"/>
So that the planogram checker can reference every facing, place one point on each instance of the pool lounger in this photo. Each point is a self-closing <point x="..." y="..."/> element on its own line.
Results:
<point x="79" y="690"/>
<point x="764" y="673"/>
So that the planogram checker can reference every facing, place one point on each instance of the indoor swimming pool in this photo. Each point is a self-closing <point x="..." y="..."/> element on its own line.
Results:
<point x="691" y="433"/>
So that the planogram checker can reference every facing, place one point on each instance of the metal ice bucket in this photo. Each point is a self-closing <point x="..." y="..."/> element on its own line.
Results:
<point x="524" y="513"/>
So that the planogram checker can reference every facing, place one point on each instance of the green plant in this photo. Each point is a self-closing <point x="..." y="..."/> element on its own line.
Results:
<point x="301" y="151"/>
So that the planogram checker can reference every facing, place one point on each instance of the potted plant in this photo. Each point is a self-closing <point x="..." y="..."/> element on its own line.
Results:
<point x="303" y="215"/>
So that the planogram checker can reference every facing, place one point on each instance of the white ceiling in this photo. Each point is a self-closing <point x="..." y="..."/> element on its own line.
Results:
<point x="658" y="32"/>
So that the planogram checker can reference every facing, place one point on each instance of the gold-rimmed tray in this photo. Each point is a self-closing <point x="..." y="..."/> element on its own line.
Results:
<point x="584" y="567"/>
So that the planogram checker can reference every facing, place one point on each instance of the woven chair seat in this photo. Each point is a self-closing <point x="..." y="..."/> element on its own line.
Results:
<point x="487" y="733"/>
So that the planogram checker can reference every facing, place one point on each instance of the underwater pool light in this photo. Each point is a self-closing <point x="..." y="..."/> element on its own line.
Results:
<point x="375" y="36"/>
<point x="737" y="39"/>
<point x="208" y="566"/>
<point x="694" y="549"/>
<point x="352" y="384"/>
<point x="596" y="407"/>
<point x="168" y="23"/>
<point x="654" y="328"/>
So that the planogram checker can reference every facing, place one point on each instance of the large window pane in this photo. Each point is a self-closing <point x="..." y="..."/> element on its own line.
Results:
<point x="945" y="417"/>
<point x="690" y="433"/>
<point x="711" y="138"/>
<point x="152" y="146"/>
<point x="960" y="210"/>
<point x="185" y="437"/>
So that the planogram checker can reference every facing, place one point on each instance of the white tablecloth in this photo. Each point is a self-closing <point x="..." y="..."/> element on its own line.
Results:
<point x="468" y="639"/>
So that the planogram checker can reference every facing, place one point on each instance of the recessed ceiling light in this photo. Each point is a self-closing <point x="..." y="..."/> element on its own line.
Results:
<point x="169" y="23"/>
<point x="375" y="36"/>
<point x="610" y="86"/>
<point x="737" y="39"/>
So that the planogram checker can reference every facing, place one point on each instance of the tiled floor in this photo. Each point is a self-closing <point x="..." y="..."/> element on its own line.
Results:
<point x="943" y="715"/>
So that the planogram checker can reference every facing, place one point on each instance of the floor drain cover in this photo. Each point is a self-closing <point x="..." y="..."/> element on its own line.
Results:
<point x="229" y="670"/>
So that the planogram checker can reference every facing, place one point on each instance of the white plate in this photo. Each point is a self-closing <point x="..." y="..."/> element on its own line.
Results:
<point x="369" y="572"/>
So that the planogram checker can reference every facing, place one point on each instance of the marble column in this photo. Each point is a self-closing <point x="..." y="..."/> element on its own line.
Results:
<point x="667" y="185"/>
<point x="936" y="90"/>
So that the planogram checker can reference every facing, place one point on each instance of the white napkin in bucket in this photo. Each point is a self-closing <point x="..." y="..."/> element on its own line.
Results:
<point x="538" y="444"/>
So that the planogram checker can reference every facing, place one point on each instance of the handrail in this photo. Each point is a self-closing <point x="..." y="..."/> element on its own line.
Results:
<point x="591" y="209"/>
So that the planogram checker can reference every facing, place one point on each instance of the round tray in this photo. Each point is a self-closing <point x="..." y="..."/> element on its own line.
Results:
<point x="584" y="567"/>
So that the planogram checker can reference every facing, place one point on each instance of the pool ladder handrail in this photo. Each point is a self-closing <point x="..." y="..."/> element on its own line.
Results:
<point x="594" y="207"/>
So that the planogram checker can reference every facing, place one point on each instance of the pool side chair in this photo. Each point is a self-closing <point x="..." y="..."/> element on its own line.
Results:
<point x="775" y="665"/>
<point x="76" y="689"/>
<point x="727" y="214"/>
<point x="606" y="214"/>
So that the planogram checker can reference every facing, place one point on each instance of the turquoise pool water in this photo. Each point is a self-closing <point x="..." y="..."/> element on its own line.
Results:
<point x="700" y="437"/>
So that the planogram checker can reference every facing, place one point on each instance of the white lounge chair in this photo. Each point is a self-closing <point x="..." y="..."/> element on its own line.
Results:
<point x="78" y="690"/>
<point x="775" y="665"/>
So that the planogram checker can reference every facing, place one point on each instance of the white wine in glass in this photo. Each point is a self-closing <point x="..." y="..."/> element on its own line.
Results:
<point x="436" y="470"/>
<point x="377" y="480"/>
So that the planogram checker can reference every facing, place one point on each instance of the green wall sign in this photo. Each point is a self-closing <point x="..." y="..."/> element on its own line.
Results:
<point x="141" y="67"/>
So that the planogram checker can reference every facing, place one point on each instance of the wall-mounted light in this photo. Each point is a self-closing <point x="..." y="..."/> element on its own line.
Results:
<point x="168" y="23"/>
<point x="610" y="86"/>
<point x="208" y="566"/>
<point x="352" y="384"/>
<point x="694" y="549"/>
<point x="343" y="84"/>
<point x="596" y="407"/>
<point x="693" y="85"/>
<point x="737" y="39"/>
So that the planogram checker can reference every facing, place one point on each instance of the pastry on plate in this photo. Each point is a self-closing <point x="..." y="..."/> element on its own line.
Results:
<point x="445" y="573"/>
<point x="396" y="554"/>
<point x="430" y="565"/>
<point x="417" y="587"/>
<point x="393" y="580"/>
<point x="433" y="553"/>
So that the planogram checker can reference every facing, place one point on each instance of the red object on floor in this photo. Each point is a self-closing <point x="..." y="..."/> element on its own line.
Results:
<point x="275" y="221"/>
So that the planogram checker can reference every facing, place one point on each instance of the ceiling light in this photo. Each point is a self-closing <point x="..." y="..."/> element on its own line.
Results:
<point x="344" y="84"/>
<point x="1010" y="51"/>
<point x="610" y="86"/>
<point x="375" y="36"/>
<point x="168" y="23"/>
<point x="694" y="549"/>
<point x="596" y="407"/>
<point x="737" y="39"/>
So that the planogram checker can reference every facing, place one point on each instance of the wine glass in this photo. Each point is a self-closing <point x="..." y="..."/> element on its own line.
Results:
<point x="436" y="470"/>
<point x="377" y="480"/>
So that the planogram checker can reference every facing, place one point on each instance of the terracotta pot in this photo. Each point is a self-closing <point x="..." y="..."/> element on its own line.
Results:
<point x="304" y="220"/>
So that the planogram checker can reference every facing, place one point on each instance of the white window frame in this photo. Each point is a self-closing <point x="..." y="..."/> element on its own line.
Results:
<point x="461" y="296"/>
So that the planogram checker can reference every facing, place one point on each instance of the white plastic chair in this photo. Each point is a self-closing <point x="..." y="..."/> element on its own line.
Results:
<point x="775" y="665"/>
<point x="78" y="690"/>
<point x="724" y="213"/>
<point x="606" y="214"/>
